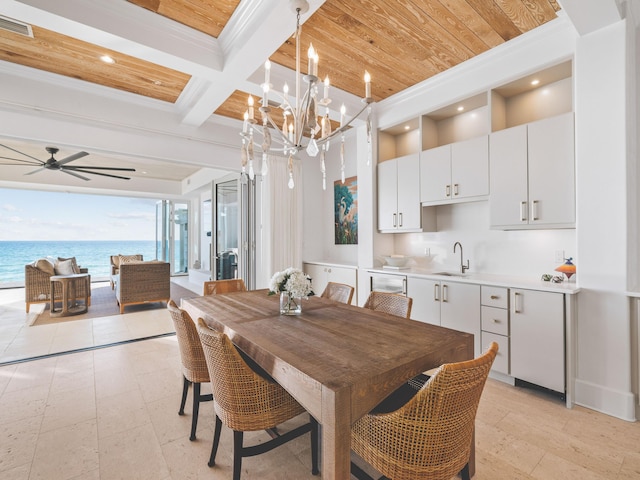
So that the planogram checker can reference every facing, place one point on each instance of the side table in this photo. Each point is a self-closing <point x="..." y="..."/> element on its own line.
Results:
<point x="69" y="285"/>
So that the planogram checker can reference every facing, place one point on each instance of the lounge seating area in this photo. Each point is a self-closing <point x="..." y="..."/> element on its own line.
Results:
<point x="37" y="279"/>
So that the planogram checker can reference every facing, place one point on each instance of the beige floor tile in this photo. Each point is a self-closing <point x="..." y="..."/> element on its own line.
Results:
<point x="114" y="419"/>
<point x="68" y="408"/>
<point x="23" y="403"/>
<point x="552" y="467"/>
<point x="158" y="384"/>
<point x="6" y="373"/>
<point x="66" y="453"/>
<point x="134" y="454"/>
<point x="20" y="472"/>
<point x="169" y="426"/>
<point x="113" y="381"/>
<point x="18" y="443"/>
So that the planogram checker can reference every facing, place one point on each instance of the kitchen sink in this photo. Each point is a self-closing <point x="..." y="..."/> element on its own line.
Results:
<point x="450" y="274"/>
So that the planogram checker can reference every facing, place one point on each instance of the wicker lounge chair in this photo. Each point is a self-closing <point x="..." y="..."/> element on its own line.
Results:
<point x="38" y="286"/>
<point x="143" y="282"/>
<point x="114" y="261"/>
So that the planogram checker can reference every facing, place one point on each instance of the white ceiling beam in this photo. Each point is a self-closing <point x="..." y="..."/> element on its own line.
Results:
<point x="590" y="15"/>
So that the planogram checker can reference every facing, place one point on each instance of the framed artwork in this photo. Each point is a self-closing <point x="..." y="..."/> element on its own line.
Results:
<point x="345" y="204"/>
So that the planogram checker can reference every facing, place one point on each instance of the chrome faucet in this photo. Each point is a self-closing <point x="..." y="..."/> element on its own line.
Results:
<point x="463" y="267"/>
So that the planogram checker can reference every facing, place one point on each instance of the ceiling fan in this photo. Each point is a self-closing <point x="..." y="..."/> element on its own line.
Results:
<point x="62" y="165"/>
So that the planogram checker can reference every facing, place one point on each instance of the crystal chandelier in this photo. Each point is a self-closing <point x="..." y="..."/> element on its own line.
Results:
<point x="303" y="127"/>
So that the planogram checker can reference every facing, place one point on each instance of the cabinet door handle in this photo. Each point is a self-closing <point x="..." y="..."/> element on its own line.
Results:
<point x="523" y="211"/>
<point x="534" y="210"/>
<point x="445" y="297"/>
<point x="448" y="190"/>
<point x="436" y="292"/>
<point x="515" y="303"/>
<point x="495" y="320"/>
<point x="404" y="286"/>
<point x="494" y="297"/>
<point x="400" y="217"/>
<point x="394" y="221"/>
<point x="455" y="189"/>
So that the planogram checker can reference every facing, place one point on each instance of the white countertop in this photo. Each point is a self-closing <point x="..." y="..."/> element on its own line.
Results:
<point x="486" y="279"/>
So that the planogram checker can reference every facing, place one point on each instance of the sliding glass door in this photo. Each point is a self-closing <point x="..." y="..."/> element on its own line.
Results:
<point x="172" y="235"/>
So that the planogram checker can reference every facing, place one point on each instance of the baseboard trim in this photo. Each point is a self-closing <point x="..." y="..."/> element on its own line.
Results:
<point x="606" y="400"/>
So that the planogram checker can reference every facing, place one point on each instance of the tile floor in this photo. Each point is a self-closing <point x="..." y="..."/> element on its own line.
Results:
<point x="111" y="413"/>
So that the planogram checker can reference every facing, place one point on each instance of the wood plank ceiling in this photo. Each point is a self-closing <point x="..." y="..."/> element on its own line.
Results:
<point x="400" y="43"/>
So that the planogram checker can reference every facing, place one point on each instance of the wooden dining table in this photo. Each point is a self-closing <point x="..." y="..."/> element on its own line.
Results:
<point x="338" y="361"/>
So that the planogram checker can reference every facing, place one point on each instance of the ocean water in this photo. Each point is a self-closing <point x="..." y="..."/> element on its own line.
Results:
<point x="93" y="255"/>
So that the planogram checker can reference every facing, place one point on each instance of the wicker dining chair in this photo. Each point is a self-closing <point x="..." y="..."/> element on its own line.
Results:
<point x="224" y="286"/>
<point x="392" y="303"/>
<point x="340" y="292"/>
<point x="194" y="365"/>
<point x="247" y="399"/>
<point x="428" y="437"/>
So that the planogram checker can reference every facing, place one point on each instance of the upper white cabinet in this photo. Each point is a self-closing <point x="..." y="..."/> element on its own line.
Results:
<point x="456" y="171"/>
<point x="454" y="162"/>
<point x="531" y="152"/>
<point x="399" y="206"/>
<point x="533" y="175"/>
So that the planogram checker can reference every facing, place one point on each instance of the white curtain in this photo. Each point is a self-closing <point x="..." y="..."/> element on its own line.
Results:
<point x="282" y="216"/>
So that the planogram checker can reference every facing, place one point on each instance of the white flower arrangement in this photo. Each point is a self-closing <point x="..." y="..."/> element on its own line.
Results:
<point x="293" y="281"/>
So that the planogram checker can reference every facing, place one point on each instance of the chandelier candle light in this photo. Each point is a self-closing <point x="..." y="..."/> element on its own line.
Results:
<point x="298" y="119"/>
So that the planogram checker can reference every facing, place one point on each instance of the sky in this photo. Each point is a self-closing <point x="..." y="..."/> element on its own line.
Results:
<point x="35" y="215"/>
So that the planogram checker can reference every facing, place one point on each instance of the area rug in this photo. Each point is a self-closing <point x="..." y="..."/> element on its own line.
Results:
<point x="103" y="304"/>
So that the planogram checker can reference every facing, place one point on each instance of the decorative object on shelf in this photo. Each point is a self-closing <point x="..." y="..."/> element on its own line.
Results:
<point x="568" y="268"/>
<point x="299" y="119"/>
<point x="293" y="285"/>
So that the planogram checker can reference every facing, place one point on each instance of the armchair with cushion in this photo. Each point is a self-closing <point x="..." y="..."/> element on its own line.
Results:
<point x="115" y="265"/>
<point x="37" y="280"/>
<point x="142" y="282"/>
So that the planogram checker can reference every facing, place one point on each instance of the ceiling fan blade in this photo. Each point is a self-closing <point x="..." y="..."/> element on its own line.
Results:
<point x="35" y="171"/>
<point x="20" y="162"/>
<point x="71" y="158"/>
<point x="67" y="170"/>
<point x="74" y="174"/>
<point x="40" y="162"/>
<point x="101" y="168"/>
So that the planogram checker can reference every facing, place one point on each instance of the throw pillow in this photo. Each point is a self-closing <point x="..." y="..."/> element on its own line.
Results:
<point x="44" y="265"/>
<point x="74" y="264"/>
<point x="129" y="259"/>
<point x="64" y="267"/>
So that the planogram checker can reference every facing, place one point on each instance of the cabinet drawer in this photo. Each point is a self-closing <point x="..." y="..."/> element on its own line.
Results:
<point x="495" y="320"/>
<point x="494" y="297"/>
<point x="501" y="363"/>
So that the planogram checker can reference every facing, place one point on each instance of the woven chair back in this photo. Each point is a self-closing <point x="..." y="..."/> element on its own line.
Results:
<point x="392" y="303"/>
<point x="194" y="365"/>
<point x="430" y="436"/>
<point x="224" y="286"/>
<point x="243" y="400"/>
<point x="339" y="292"/>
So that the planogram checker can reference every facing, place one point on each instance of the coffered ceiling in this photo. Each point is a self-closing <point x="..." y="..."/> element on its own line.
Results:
<point x="200" y="59"/>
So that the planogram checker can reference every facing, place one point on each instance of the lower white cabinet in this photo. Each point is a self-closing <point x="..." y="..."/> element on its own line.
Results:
<point x="321" y="274"/>
<point x="449" y="304"/>
<point x="537" y="338"/>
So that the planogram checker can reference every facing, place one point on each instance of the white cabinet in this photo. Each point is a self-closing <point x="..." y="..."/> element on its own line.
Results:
<point x="456" y="171"/>
<point x="449" y="304"/>
<point x="532" y="175"/>
<point x="537" y="338"/>
<point x="399" y="206"/>
<point x="321" y="274"/>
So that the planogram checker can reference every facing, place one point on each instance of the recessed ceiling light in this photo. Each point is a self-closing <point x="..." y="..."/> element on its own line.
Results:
<point x="107" y="59"/>
<point x="407" y="127"/>
<point x="535" y="82"/>
<point x="460" y="108"/>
